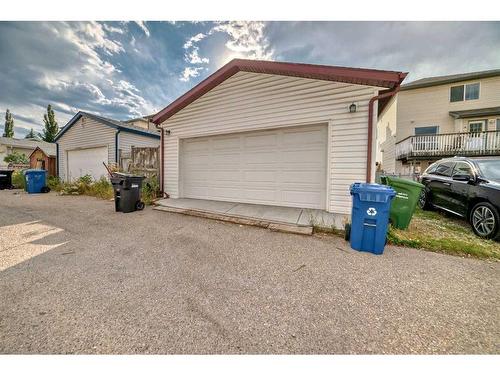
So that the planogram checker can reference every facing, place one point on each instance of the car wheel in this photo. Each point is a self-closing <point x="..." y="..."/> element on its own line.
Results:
<point x="423" y="200"/>
<point x="484" y="220"/>
<point x="139" y="206"/>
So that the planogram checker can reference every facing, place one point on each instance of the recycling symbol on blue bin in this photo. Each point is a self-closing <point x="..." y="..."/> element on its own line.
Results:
<point x="371" y="211"/>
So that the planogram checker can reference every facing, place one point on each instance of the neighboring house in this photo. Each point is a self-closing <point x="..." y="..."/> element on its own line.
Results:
<point x="88" y="140"/>
<point x="143" y="122"/>
<point x="22" y="146"/>
<point x="438" y="117"/>
<point x="44" y="158"/>
<point x="273" y="133"/>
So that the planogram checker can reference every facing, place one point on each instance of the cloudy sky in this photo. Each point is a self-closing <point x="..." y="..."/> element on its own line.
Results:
<point x="124" y="70"/>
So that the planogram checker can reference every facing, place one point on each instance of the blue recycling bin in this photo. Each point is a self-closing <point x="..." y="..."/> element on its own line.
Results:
<point x="371" y="204"/>
<point x="35" y="181"/>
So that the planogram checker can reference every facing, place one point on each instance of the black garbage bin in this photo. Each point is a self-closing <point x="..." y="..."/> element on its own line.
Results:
<point x="127" y="188"/>
<point x="6" y="179"/>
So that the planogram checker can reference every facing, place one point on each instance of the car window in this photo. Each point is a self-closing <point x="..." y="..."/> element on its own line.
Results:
<point x="444" y="169"/>
<point x="431" y="168"/>
<point x="462" y="168"/>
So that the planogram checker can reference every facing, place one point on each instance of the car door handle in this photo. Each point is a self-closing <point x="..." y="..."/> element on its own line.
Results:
<point x="447" y="183"/>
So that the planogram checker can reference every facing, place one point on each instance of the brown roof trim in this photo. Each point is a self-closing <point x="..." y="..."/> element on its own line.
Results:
<point x="359" y="76"/>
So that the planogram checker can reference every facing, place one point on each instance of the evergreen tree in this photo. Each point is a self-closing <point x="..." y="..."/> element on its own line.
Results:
<point x="30" y="135"/>
<point x="8" y="130"/>
<point x="51" y="127"/>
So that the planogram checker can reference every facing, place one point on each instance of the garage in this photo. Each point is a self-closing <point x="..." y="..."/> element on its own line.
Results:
<point x="274" y="133"/>
<point x="87" y="161"/>
<point x="284" y="167"/>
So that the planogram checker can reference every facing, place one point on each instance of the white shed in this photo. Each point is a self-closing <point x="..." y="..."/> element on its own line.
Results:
<point x="88" y="140"/>
<point x="274" y="133"/>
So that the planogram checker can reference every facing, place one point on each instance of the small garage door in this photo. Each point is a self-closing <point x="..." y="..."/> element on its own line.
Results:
<point x="285" y="167"/>
<point x="87" y="161"/>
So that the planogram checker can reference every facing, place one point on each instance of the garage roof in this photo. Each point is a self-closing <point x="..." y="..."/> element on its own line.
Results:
<point x="109" y="122"/>
<point x="369" y="77"/>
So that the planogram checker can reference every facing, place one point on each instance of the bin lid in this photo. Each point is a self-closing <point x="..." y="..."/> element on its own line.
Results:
<point x="372" y="192"/>
<point x="30" y="171"/>
<point x="390" y="180"/>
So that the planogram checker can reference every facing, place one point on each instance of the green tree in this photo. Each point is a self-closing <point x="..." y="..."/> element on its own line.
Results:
<point x="16" y="158"/>
<point x="8" y="130"/>
<point x="30" y="135"/>
<point x="51" y="127"/>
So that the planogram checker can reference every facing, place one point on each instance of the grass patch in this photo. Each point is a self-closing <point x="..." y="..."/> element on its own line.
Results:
<point x="439" y="232"/>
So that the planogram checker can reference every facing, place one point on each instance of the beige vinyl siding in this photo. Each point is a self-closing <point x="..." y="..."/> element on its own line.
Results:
<point x="252" y="101"/>
<point x="126" y="140"/>
<point x="85" y="133"/>
<point x="386" y="136"/>
<point x="431" y="106"/>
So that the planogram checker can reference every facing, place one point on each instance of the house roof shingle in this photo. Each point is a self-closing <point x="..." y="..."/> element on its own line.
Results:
<point x="441" y="80"/>
<point x="109" y="122"/>
<point x="492" y="111"/>
<point x="30" y="144"/>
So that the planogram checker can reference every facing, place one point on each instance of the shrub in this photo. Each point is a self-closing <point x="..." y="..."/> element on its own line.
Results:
<point x="101" y="188"/>
<point x="150" y="190"/>
<point x="54" y="183"/>
<point x="16" y="158"/>
<point x="18" y="179"/>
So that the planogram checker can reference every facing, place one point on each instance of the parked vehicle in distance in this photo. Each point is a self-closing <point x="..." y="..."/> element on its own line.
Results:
<point x="467" y="187"/>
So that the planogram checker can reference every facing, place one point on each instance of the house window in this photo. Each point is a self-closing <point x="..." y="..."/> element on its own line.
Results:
<point x="464" y="92"/>
<point x="498" y="124"/>
<point x="472" y="91"/>
<point x="426" y="130"/>
<point x="457" y="93"/>
<point x="476" y="126"/>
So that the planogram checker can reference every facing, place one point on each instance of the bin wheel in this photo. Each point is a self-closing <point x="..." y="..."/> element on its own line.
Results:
<point x="140" y="205"/>
<point x="347" y="232"/>
<point x="45" y="189"/>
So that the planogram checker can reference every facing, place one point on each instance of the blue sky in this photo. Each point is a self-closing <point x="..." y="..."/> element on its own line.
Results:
<point x="124" y="70"/>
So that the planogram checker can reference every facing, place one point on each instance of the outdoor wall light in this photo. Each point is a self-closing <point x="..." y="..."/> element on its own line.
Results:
<point x="167" y="132"/>
<point x="352" y="108"/>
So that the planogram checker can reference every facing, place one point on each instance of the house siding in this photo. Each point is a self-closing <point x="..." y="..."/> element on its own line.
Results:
<point x="430" y="106"/>
<point x="126" y="140"/>
<point x="85" y="133"/>
<point x="253" y="101"/>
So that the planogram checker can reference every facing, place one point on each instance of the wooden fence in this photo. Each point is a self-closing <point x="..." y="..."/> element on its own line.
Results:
<point x="145" y="161"/>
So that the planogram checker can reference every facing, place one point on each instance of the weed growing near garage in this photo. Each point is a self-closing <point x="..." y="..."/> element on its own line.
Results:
<point x="18" y="179"/>
<point x="438" y="232"/>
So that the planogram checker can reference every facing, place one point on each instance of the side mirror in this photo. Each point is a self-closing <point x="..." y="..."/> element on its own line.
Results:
<point x="462" y="177"/>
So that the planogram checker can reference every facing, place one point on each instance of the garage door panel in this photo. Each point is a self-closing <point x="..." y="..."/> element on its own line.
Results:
<point x="304" y="138"/>
<point x="261" y="141"/>
<point x="87" y="162"/>
<point x="260" y="176"/>
<point x="285" y="167"/>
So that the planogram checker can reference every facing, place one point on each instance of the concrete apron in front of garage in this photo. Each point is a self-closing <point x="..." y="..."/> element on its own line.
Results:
<point x="283" y="219"/>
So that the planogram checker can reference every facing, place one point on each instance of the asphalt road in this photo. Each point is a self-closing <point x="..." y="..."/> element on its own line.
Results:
<point x="76" y="277"/>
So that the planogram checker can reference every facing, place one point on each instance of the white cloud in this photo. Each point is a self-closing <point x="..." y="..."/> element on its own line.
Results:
<point x="246" y="39"/>
<point x="112" y="29"/>
<point x="190" y="72"/>
<point x="194" y="58"/>
<point x="194" y="39"/>
<point x="144" y="28"/>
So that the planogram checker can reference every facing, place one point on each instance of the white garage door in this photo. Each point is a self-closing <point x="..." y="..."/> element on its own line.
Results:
<point x="87" y="161"/>
<point x="285" y="167"/>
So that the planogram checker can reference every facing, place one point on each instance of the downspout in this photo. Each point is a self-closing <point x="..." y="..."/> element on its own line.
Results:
<point x="117" y="143"/>
<point x="57" y="160"/>
<point x="161" y="158"/>
<point x="371" y="103"/>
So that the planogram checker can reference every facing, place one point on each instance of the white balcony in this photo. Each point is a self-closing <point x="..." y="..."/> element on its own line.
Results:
<point x="451" y="144"/>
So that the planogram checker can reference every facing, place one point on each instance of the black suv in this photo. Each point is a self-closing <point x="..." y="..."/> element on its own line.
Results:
<point x="468" y="187"/>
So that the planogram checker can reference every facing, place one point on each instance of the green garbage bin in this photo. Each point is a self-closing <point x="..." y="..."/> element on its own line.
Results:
<point x="404" y="203"/>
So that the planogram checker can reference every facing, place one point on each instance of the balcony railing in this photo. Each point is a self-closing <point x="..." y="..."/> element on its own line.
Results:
<point x="451" y="144"/>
